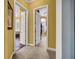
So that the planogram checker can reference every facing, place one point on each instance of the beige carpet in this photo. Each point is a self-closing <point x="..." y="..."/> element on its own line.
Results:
<point x="34" y="53"/>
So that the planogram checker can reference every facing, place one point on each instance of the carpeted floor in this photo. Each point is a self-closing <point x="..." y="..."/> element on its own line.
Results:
<point x="34" y="53"/>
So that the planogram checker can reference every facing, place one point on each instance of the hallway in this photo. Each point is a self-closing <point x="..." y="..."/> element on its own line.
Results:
<point x="30" y="35"/>
<point x="39" y="29"/>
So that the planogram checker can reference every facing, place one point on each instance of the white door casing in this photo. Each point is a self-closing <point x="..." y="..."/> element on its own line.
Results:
<point x="34" y="10"/>
<point x="26" y="23"/>
<point x="37" y="28"/>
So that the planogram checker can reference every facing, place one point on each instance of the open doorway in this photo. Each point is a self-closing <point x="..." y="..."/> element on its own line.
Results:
<point x="20" y="26"/>
<point x="41" y="26"/>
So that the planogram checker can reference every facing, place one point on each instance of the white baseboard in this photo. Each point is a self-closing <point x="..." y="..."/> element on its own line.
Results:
<point x="52" y="49"/>
<point x="12" y="55"/>
<point x="31" y="45"/>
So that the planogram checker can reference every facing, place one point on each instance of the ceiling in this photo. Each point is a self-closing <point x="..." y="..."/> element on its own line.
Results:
<point x="29" y="1"/>
<point x="17" y="10"/>
<point x="43" y="12"/>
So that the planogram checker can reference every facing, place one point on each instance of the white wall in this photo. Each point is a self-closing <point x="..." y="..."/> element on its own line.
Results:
<point x="68" y="29"/>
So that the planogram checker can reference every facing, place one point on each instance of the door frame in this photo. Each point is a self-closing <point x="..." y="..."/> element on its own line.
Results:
<point x="46" y="5"/>
<point x="58" y="29"/>
<point x="26" y="21"/>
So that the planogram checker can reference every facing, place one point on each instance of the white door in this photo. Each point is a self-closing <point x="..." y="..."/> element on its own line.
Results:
<point x="22" y="31"/>
<point x="37" y="29"/>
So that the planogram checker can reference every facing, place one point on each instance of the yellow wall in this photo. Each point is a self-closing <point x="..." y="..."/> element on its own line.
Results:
<point x="9" y="34"/>
<point x="51" y="20"/>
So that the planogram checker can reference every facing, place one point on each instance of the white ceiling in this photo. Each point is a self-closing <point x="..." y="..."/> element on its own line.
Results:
<point x="29" y="1"/>
<point x="17" y="10"/>
<point x="43" y="11"/>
